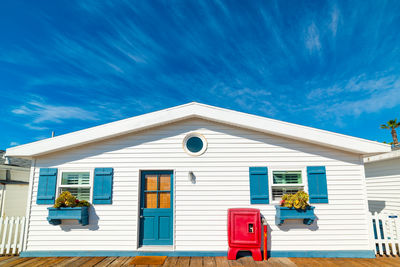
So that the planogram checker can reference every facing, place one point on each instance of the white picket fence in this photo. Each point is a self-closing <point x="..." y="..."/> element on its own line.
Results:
<point x="386" y="229"/>
<point x="11" y="235"/>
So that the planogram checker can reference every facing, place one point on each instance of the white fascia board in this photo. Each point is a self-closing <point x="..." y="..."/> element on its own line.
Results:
<point x="166" y="116"/>
<point x="385" y="156"/>
<point x="100" y="132"/>
<point x="294" y="131"/>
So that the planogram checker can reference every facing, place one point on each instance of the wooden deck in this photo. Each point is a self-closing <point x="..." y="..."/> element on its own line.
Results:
<point x="199" y="261"/>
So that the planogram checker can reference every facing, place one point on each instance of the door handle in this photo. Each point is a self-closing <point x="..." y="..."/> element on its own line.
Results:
<point x="141" y="217"/>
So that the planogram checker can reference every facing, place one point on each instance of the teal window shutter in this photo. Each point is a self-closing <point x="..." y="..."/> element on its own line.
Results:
<point x="259" y="190"/>
<point x="102" y="186"/>
<point x="47" y="186"/>
<point x="317" y="185"/>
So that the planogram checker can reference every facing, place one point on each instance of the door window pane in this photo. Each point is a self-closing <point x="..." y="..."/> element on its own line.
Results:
<point x="150" y="200"/>
<point x="164" y="200"/>
<point x="151" y="183"/>
<point x="165" y="180"/>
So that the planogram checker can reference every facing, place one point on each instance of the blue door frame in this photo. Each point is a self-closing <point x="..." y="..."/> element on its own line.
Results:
<point x="156" y="224"/>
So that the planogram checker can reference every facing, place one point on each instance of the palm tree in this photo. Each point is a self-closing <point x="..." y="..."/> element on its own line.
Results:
<point x="392" y="124"/>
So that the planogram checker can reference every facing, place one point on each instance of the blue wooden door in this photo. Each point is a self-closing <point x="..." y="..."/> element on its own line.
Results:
<point x="156" y="208"/>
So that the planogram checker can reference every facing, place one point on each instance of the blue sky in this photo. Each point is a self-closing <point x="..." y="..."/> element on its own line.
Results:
<point x="69" y="65"/>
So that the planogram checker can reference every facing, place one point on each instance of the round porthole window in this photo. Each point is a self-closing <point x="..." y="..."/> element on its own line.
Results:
<point x="195" y="144"/>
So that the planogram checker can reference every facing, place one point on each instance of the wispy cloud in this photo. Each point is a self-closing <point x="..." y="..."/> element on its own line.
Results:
<point x="19" y="56"/>
<point x="376" y="102"/>
<point x="35" y="127"/>
<point x="41" y="112"/>
<point x="373" y="104"/>
<point x="362" y="84"/>
<point x="335" y="13"/>
<point x="356" y="96"/>
<point x="312" y="38"/>
<point x="246" y="98"/>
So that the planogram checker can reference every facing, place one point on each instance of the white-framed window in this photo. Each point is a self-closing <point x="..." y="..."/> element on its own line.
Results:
<point x="286" y="181"/>
<point x="77" y="182"/>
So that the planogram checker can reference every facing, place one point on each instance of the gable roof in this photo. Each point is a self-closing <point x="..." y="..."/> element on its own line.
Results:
<point x="197" y="110"/>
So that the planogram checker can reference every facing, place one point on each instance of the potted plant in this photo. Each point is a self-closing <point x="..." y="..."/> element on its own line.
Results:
<point x="294" y="206"/>
<point x="69" y="207"/>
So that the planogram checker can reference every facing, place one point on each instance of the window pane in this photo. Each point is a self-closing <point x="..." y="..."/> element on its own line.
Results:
<point x="78" y="178"/>
<point x="80" y="193"/>
<point x="278" y="192"/>
<point x="164" y="200"/>
<point x="151" y="182"/>
<point x="287" y="177"/>
<point x="165" y="180"/>
<point x="150" y="200"/>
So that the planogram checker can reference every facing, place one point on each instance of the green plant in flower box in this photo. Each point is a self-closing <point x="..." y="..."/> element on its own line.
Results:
<point x="297" y="201"/>
<point x="66" y="199"/>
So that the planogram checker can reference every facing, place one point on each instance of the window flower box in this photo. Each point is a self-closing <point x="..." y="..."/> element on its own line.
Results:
<point x="283" y="213"/>
<point x="67" y="213"/>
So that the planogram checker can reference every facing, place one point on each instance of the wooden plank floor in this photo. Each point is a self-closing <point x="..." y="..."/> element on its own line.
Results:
<point x="199" y="261"/>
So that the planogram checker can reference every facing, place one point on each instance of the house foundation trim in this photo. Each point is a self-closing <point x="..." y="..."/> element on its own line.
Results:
<point x="114" y="253"/>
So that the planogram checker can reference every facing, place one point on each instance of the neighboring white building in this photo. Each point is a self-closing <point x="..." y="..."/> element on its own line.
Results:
<point x="14" y="179"/>
<point x="161" y="183"/>
<point x="382" y="173"/>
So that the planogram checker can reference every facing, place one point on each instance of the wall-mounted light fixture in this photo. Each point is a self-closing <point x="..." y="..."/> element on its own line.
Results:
<point x="192" y="177"/>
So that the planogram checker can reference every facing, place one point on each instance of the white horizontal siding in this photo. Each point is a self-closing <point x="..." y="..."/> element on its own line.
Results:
<point x="222" y="182"/>
<point x="383" y="185"/>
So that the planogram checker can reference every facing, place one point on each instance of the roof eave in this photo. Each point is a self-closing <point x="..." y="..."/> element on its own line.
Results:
<point x="383" y="156"/>
<point x="166" y="116"/>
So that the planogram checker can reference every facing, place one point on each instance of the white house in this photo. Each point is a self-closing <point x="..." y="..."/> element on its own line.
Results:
<point x="382" y="173"/>
<point x="14" y="178"/>
<point x="161" y="183"/>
